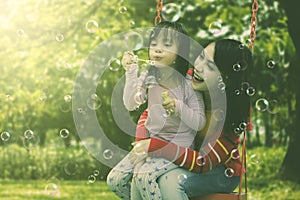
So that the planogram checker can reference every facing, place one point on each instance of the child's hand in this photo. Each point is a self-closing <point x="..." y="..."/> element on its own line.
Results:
<point x="168" y="103"/>
<point x="128" y="60"/>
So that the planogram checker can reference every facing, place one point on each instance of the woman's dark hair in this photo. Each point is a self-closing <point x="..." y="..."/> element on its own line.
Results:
<point x="234" y="61"/>
<point x="179" y="35"/>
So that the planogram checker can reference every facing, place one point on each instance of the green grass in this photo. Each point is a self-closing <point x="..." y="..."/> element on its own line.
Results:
<point x="264" y="183"/>
<point x="71" y="190"/>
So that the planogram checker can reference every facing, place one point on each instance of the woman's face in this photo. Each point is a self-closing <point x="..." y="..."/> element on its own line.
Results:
<point x="205" y="70"/>
<point x="163" y="49"/>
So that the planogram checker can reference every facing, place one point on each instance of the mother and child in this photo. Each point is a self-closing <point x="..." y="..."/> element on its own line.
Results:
<point x="172" y="157"/>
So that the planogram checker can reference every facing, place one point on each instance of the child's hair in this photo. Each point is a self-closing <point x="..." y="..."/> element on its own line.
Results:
<point x="234" y="61"/>
<point x="179" y="35"/>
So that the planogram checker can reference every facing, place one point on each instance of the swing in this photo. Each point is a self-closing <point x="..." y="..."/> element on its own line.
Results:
<point x="235" y="195"/>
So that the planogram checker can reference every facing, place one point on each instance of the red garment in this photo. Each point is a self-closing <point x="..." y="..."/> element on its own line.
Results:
<point x="213" y="154"/>
<point x="209" y="157"/>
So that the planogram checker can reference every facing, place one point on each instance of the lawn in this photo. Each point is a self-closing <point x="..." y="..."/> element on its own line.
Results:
<point x="264" y="183"/>
<point x="44" y="190"/>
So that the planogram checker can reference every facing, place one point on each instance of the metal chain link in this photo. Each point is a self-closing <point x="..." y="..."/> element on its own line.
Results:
<point x="253" y="24"/>
<point x="159" y="6"/>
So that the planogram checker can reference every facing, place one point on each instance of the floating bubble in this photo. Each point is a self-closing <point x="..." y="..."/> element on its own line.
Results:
<point x="122" y="10"/>
<point x="134" y="40"/>
<point x="243" y="126"/>
<point x="182" y="178"/>
<point x="51" y="189"/>
<point x="42" y="98"/>
<point x="273" y="106"/>
<point x="65" y="107"/>
<point x="236" y="67"/>
<point x="114" y="64"/>
<point x="271" y="64"/>
<point x="219" y="78"/>
<point x="96" y="172"/>
<point x="200" y="161"/>
<point x="262" y="105"/>
<point x="32" y="142"/>
<point x="64" y="133"/>
<point x="237" y="130"/>
<point x="91" y="179"/>
<point x="218" y="115"/>
<point x="94" y="102"/>
<point x="132" y="24"/>
<point x="250" y="91"/>
<point x="28" y="134"/>
<point x="229" y="172"/>
<point x="244" y="86"/>
<point x="241" y="46"/>
<point x="215" y="27"/>
<point x="91" y="26"/>
<point x="222" y="86"/>
<point x="254" y="159"/>
<point x="20" y="32"/>
<point x="67" y="98"/>
<point x="237" y="92"/>
<point x="81" y="111"/>
<point x="108" y="154"/>
<point x="71" y="168"/>
<point x="171" y="12"/>
<point x="5" y="136"/>
<point x="59" y="37"/>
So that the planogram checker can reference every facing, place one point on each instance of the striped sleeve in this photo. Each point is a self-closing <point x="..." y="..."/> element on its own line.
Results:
<point x="210" y="156"/>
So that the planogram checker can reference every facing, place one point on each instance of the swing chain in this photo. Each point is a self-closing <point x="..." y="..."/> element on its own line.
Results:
<point x="159" y="6"/>
<point x="253" y="24"/>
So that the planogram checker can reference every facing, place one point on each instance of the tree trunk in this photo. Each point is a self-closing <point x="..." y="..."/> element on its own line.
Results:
<point x="268" y="130"/>
<point x="290" y="166"/>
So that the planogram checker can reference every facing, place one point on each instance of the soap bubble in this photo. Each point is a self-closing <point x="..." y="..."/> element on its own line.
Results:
<point x="91" y="26"/>
<point x="5" y="136"/>
<point x="122" y="10"/>
<point x="262" y="105"/>
<point x="171" y="12"/>
<point x="108" y="154"/>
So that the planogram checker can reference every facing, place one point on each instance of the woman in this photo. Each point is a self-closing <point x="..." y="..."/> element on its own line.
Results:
<point x="216" y="167"/>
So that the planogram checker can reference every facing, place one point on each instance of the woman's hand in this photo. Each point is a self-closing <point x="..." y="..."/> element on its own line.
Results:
<point x="128" y="60"/>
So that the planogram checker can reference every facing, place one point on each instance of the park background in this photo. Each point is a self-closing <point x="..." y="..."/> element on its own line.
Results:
<point x="43" y="45"/>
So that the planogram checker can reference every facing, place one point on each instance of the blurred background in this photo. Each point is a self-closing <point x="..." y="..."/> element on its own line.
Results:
<point x="43" y="45"/>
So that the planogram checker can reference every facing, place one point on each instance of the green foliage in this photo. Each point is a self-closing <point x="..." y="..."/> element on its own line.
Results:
<point x="263" y="181"/>
<point x="42" y="163"/>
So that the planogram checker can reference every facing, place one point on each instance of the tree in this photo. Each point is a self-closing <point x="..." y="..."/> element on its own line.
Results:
<point x="289" y="168"/>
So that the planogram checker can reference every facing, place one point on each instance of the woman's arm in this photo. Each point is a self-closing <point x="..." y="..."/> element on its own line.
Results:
<point x="210" y="156"/>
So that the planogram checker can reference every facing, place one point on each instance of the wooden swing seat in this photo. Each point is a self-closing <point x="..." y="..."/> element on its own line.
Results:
<point x="222" y="196"/>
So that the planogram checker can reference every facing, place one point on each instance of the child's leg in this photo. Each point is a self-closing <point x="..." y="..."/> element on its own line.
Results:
<point x="118" y="179"/>
<point x="135" y="193"/>
<point x="146" y="179"/>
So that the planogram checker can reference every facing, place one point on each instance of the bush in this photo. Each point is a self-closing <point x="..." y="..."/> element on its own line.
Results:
<point x="43" y="163"/>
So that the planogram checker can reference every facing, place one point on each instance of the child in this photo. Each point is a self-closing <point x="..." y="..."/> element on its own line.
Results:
<point x="176" y="117"/>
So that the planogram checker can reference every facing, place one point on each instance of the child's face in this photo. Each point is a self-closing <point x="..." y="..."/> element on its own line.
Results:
<point x="163" y="49"/>
<point x="205" y="70"/>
